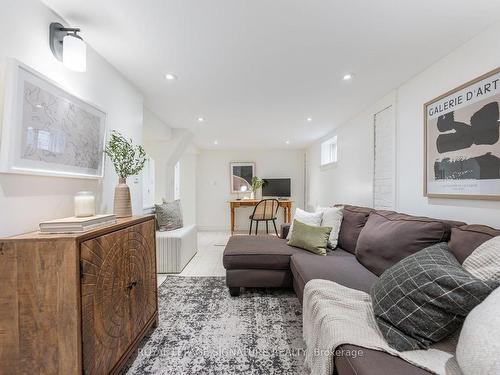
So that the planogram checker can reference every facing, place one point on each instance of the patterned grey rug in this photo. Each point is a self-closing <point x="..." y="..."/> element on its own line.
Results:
<point x="203" y="330"/>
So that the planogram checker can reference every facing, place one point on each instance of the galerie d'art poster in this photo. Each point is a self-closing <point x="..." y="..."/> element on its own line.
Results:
<point x="462" y="146"/>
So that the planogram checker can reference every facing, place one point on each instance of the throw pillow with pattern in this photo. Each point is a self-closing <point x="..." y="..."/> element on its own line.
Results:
<point x="425" y="297"/>
<point x="169" y="215"/>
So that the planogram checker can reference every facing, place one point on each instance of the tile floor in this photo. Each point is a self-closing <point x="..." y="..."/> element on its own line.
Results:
<point x="208" y="259"/>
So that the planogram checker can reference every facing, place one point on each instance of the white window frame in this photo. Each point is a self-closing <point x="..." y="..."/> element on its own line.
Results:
<point x="329" y="152"/>
<point x="177" y="180"/>
<point x="148" y="183"/>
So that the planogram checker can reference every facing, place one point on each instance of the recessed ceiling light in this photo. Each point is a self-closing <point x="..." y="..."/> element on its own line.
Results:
<point x="309" y="119"/>
<point x="348" y="76"/>
<point x="216" y="142"/>
<point x="170" y="77"/>
<point x="201" y="119"/>
<point x="287" y="142"/>
<point x="39" y="106"/>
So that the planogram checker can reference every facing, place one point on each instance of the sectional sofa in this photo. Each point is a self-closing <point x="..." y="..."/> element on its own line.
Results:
<point x="370" y="241"/>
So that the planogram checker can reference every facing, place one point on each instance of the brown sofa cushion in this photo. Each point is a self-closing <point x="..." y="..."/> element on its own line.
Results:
<point x="389" y="237"/>
<point x="353" y="221"/>
<point x="258" y="252"/>
<point x="339" y="266"/>
<point x="465" y="239"/>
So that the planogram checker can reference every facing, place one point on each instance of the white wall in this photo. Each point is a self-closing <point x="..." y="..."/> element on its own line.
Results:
<point x="351" y="180"/>
<point x="157" y="138"/>
<point x="155" y="130"/>
<point x="188" y="178"/>
<point x="27" y="200"/>
<point x="167" y="146"/>
<point x="473" y="59"/>
<point x="213" y="182"/>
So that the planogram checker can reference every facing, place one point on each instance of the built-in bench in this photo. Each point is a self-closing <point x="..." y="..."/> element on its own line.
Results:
<point x="175" y="248"/>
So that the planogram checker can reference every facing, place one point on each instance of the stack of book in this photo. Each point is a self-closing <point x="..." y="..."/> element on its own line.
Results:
<point x="76" y="224"/>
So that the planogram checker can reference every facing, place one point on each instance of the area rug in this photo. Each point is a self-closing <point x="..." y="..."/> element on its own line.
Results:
<point x="203" y="330"/>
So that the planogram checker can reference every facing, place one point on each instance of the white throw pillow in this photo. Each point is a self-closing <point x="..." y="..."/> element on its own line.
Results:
<point x="478" y="349"/>
<point x="484" y="262"/>
<point x="309" y="218"/>
<point x="332" y="217"/>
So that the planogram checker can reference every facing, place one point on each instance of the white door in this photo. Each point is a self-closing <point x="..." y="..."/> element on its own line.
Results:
<point x="384" y="190"/>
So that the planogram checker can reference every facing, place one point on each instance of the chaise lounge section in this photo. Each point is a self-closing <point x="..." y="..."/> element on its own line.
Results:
<point x="370" y="241"/>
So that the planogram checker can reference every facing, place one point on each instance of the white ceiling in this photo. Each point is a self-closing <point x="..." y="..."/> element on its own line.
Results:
<point x="256" y="69"/>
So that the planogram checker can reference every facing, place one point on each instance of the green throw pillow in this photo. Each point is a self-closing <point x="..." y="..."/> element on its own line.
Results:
<point x="310" y="237"/>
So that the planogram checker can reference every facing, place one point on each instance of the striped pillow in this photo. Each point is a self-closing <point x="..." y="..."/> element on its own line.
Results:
<point x="484" y="262"/>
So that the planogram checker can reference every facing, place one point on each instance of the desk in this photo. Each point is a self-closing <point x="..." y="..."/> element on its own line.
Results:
<point x="286" y="204"/>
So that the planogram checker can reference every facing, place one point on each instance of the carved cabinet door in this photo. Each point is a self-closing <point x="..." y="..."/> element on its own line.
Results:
<point x="118" y="293"/>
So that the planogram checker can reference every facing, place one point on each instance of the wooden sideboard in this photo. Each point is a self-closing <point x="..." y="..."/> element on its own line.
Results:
<point x="77" y="303"/>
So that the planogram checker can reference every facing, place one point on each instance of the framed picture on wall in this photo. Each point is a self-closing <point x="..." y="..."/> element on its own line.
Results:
<point x="241" y="176"/>
<point x="48" y="131"/>
<point x="462" y="141"/>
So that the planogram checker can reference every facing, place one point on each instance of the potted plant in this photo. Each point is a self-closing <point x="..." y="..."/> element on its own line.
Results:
<point x="256" y="184"/>
<point x="128" y="160"/>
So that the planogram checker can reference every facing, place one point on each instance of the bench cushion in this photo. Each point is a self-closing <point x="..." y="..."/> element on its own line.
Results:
<point x="339" y="266"/>
<point x="177" y="233"/>
<point x="258" y="252"/>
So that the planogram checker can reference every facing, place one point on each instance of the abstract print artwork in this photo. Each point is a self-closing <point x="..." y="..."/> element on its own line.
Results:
<point x="462" y="141"/>
<point x="241" y="176"/>
<point x="49" y="131"/>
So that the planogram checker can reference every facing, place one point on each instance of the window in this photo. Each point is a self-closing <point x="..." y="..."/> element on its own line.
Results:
<point x="177" y="181"/>
<point x="148" y="188"/>
<point x="329" y="151"/>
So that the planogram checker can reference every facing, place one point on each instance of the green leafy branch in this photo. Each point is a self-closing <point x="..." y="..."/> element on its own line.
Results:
<point x="257" y="183"/>
<point x="127" y="159"/>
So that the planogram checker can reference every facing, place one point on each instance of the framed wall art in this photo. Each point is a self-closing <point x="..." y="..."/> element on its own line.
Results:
<point x="462" y="143"/>
<point x="241" y="176"/>
<point x="48" y="131"/>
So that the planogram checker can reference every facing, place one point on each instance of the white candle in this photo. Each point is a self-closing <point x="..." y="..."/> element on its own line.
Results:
<point x="84" y="204"/>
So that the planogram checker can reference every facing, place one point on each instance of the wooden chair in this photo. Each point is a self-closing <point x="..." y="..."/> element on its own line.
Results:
<point x="266" y="210"/>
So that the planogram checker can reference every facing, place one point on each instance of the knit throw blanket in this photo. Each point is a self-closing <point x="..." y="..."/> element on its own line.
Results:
<point x="335" y="315"/>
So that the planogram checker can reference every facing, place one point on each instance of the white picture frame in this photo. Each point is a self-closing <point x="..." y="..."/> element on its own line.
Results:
<point x="241" y="174"/>
<point x="462" y="141"/>
<point x="48" y="131"/>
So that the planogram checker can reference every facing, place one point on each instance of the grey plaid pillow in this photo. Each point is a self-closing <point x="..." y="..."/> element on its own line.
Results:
<point x="425" y="297"/>
<point x="169" y="215"/>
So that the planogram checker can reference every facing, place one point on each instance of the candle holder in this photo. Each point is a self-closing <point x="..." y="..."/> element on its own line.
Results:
<point x="84" y="204"/>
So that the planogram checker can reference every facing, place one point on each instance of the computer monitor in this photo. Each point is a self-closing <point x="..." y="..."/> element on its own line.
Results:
<point x="276" y="187"/>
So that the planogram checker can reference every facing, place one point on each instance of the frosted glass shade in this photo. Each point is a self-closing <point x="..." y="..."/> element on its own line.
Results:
<point x="74" y="53"/>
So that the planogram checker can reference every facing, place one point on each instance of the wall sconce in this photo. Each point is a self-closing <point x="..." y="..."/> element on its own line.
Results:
<point x="67" y="46"/>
